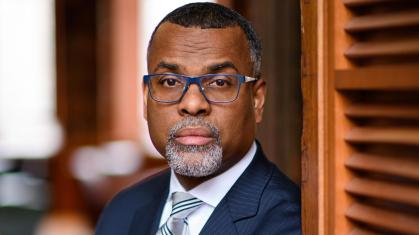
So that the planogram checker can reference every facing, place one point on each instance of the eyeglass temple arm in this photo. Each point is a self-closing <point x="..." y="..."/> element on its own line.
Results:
<point x="249" y="79"/>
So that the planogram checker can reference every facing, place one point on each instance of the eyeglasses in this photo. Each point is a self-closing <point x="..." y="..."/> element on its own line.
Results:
<point x="216" y="88"/>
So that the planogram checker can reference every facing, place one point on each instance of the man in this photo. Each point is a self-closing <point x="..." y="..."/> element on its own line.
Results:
<point x="202" y="99"/>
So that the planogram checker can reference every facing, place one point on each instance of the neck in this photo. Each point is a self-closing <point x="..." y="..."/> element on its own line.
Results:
<point x="189" y="182"/>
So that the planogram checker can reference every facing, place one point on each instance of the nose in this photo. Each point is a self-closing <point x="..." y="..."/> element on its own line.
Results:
<point x="193" y="103"/>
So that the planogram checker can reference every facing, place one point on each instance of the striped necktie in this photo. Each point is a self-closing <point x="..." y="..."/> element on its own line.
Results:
<point x="183" y="205"/>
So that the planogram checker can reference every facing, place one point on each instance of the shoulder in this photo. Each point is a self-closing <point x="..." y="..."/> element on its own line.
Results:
<point x="278" y="188"/>
<point x="274" y="185"/>
<point x="280" y="205"/>
<point x="281" y="188"/>
<point x="278" y="209"/>
<point x="143" y="190"/>
<point x="119" y="212"/>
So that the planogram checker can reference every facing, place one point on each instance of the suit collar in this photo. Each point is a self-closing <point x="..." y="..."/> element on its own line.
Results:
<point x="242" y="201"/>
<point x="244" y="197"/>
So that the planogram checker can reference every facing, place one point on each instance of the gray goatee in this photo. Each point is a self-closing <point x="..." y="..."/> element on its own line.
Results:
<point x="194" y="160"/>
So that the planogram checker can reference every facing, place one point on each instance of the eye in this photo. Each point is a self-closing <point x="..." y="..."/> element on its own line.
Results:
<point x="170" y="82"/>
<point x="219" y="83"/>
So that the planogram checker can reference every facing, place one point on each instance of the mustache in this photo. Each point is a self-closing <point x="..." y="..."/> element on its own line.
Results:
<point x="194" y="122"/>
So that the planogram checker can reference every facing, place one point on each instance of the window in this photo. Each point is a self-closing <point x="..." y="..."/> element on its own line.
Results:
<point x="28" y="124"/>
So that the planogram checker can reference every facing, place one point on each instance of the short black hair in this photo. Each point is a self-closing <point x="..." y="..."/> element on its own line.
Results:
<point x="207" y="15"/>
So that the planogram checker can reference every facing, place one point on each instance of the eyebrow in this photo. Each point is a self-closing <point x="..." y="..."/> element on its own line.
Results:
<point x="221" y="66"/>
<point x="214" y="68"/>
<point x="165" y="65"/>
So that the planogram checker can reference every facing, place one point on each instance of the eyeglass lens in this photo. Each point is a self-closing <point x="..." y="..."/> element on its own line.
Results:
<point x="217" y="88"/>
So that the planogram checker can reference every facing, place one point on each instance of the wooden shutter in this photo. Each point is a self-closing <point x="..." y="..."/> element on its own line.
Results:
<point x="383" y="110"/>
<point x="369" y="88"/>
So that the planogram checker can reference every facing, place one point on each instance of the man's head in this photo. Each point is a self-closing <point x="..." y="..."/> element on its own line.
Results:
<point x="201" y="134"/>
<point x="215" y="16"/>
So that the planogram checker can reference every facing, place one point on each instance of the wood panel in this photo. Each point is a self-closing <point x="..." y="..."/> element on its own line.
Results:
<point x="407" y="167"/>
<point x="76" y="93"/>
<point x="383" y="21"/>
<point x="384" y="190"/>
<point x="360" y="231"/>
<point x="384" y="135"/>
<point x="401" y="47"/>
<point x="388" y="220"/>
<point x="313" y="221"/>
<point x="358" y="3"/>
<point x="405" y="77"/>
<point x="368" y="110"/>
<point x="118" y="86"/>
<point x="365" y="110"/>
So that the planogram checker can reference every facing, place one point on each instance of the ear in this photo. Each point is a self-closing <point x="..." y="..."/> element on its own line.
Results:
<point x="145" y="96"/>
<point x="259" y="94"/>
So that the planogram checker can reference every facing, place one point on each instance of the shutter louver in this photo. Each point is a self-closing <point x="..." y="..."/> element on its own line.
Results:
<point x="390" y="220"/>
<point x="407" y="166"/>
<point x="382" y="89"/>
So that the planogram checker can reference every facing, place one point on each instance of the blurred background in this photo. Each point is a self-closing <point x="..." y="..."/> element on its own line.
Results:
<point x="71" y="126"/>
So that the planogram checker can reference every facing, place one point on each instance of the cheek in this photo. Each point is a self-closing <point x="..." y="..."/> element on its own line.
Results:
<point x="237" y="122"/>
<point x="245" y="112"/>
<point x="159" y="123"/>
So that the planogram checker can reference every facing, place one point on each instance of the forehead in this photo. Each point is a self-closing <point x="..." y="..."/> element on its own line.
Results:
<point x="194" y="46"/>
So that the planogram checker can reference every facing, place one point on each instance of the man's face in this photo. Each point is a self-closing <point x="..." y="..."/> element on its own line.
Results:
<point x="194" y="122"/>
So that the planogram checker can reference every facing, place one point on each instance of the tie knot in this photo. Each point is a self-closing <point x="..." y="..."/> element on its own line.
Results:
<point x="184" y="204"/>
<point x="180" y="197"/>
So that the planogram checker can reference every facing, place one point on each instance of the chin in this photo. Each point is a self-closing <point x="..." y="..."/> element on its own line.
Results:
<point x="195" y="163"/>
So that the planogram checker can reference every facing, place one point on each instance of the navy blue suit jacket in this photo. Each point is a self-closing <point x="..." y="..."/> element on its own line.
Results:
<point x="262" y="201"/>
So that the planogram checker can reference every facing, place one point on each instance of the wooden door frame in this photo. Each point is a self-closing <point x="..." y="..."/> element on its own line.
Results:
<point x="316" y="55"/>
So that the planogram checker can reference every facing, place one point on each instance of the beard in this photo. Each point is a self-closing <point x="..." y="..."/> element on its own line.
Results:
<point x="194" y="160"/>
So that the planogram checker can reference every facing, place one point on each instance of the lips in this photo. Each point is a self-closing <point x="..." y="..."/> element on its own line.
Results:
<point x="194" y="136"/>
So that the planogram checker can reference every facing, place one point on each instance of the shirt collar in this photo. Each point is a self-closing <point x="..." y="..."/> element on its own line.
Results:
<point x="213" y="190"/>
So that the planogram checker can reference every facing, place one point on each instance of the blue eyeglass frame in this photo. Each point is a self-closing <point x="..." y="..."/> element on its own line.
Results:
<point x="197" y="80"/>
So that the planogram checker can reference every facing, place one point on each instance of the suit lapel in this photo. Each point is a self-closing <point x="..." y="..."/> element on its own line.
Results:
<point x="147" y="217"/>
<point x="242" y="201"/>
<point x="220" y="221"/>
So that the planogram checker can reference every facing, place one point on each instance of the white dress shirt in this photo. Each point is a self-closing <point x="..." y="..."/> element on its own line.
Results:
<point x="211" y="192"/>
